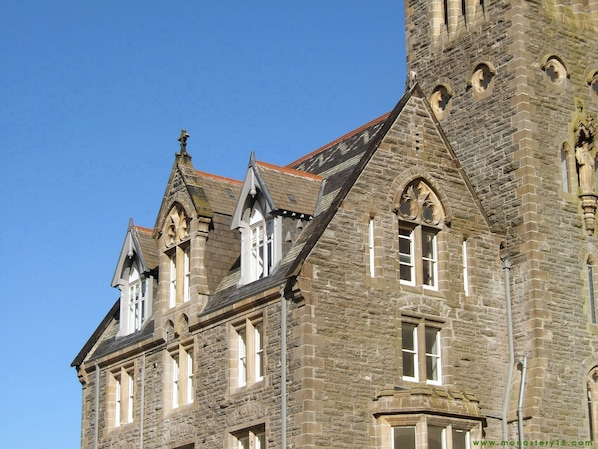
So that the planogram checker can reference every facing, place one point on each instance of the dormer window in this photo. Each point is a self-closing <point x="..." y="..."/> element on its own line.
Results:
<point x="179" y="257"/>
<point x="137" y="301"/>
<point x="261" y="234"/>
<point x="134" y="277"/>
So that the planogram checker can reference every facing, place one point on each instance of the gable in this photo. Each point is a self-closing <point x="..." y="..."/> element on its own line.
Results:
<point x="183" y="187"/>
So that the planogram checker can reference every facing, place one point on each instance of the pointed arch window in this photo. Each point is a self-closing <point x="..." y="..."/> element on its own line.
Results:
<point x="420" y="217"/>
<point x="179" y="256"/>
<point x="591" y="290"/>
<point x="566" y="186"/>
<point x="592" y="399"/>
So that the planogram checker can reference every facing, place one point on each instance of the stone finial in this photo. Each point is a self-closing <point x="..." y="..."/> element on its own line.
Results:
<point x="183" y="140"/>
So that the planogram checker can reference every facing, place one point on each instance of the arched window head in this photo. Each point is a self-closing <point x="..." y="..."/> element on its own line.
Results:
<point x="440" y="101"/>
<point x="179" y="256"/>
<point x="177" y="225"/>
<point x="555" y="70"/>
<point x="481" y="78"/>
<point x="565" y="168"/>
<point x="593" y="83"/>
<point x="419" y="203"/>
<point x="420" y="217"/>
<point x="592" y="398"/>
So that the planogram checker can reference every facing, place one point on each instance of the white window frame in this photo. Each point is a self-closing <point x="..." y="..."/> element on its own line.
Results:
<point x="407" y="259"/>
<point x="254" y="438"/>
<point x="371" y="247"/>
<point x="427" y="358"/>
<point x="249" y="352"/>
<point x="186" y="273"/>
<point x="422" y="431"/>
<point x="415" y="260"/>
<point x="179" y="286"/>
<point x="464" y="256"/>
<point x="137" y="301"/>
<point x="183" y="387"/>
<point x="172" y="280"/>
<point x="261" y="245"/>
<point x="123" y="383"/>
<point x="262" y="253"/>
<point x="411" y="353"/>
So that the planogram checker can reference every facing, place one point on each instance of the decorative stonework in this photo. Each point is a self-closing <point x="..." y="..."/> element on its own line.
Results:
<point x="585" y="157"/>
<point x="419" y="203"/>
<point x="178" y="225"/>
<point x="481" y="80"/>
<point x="440" y="101"/>
<point x="555" y="70"/>
<point x="593" y="83"/>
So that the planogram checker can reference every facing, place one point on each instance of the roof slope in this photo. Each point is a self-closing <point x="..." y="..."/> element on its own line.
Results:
<point x="291" y="190"/>
<point x="222" y="193"/>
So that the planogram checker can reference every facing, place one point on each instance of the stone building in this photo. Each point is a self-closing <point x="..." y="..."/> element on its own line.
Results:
<point x="427" y="280"/>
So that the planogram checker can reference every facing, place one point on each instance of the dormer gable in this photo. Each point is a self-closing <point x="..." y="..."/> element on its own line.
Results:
<point x="183" y="187"/>
<point x="273" y="204"/>
<point x="135" y="277"/>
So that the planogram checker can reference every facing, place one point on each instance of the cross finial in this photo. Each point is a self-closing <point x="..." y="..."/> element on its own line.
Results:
<point x="183" y="139"/>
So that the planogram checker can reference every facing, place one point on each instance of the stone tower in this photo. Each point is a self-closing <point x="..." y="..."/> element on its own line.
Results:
<point x="514" y="85"/>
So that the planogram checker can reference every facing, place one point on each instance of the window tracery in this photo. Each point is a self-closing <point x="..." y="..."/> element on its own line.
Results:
<point x="179" y="257"/>
<point x="440" y="101"/>
<point x="420" y="217"/>
<point x="481" y="79"/>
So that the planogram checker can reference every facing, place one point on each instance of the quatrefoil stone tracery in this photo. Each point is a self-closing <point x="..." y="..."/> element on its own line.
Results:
<point x="177" y="227"/>
<point x="419" y="203"/>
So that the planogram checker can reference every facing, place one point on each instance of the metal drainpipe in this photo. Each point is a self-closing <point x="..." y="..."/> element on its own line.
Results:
<point x="96" y="418"/>
<point x="283" y="369"/>
<point x="523" y="362"/>
<point x="506" y="266"/>
<point x="142" y="403"/>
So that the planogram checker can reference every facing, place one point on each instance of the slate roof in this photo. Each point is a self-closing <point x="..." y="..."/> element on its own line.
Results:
<point x="149" y="246"/>
<point x="222" y="193"/>
<point x="336" y="165"/>
<point x="291" y="190"/>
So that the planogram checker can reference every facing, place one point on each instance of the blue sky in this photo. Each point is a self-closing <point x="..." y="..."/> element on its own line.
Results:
<point x="94" y="95"/>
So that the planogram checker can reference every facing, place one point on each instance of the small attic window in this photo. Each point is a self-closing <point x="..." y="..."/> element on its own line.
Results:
<point x="292" y="198"/>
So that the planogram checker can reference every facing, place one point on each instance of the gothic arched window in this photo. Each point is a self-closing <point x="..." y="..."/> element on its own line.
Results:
<point x="420" y="218"/>
<point x="592" y="398"/>
<point x="179" y="256"/>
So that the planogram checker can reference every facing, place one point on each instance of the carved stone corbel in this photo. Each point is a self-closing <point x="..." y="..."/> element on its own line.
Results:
<point x="588" y="207"/>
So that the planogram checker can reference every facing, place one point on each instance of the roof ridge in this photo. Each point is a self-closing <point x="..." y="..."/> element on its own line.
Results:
<point x="290" y="170"/>
<point x="143" y="229"/>
<point x="340" y="139"/>
<point x="221" y="178"/>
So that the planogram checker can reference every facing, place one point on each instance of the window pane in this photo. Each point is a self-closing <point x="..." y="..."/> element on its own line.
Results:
<point x="460" y="439"/>
<point x="406" y="254"/>
<point x="259" y="352"/>
<point x="408" y="336"/>
<point x="403" y="438"/>
<point x="242" y="357"/>
<point x="564" y="170"/>
<point x="409" y="350"/>
<point x="429" y="257"/>
<point x="435" y="437"/>
<point x="432" y="354"/>
<point x="260" y="441"/>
